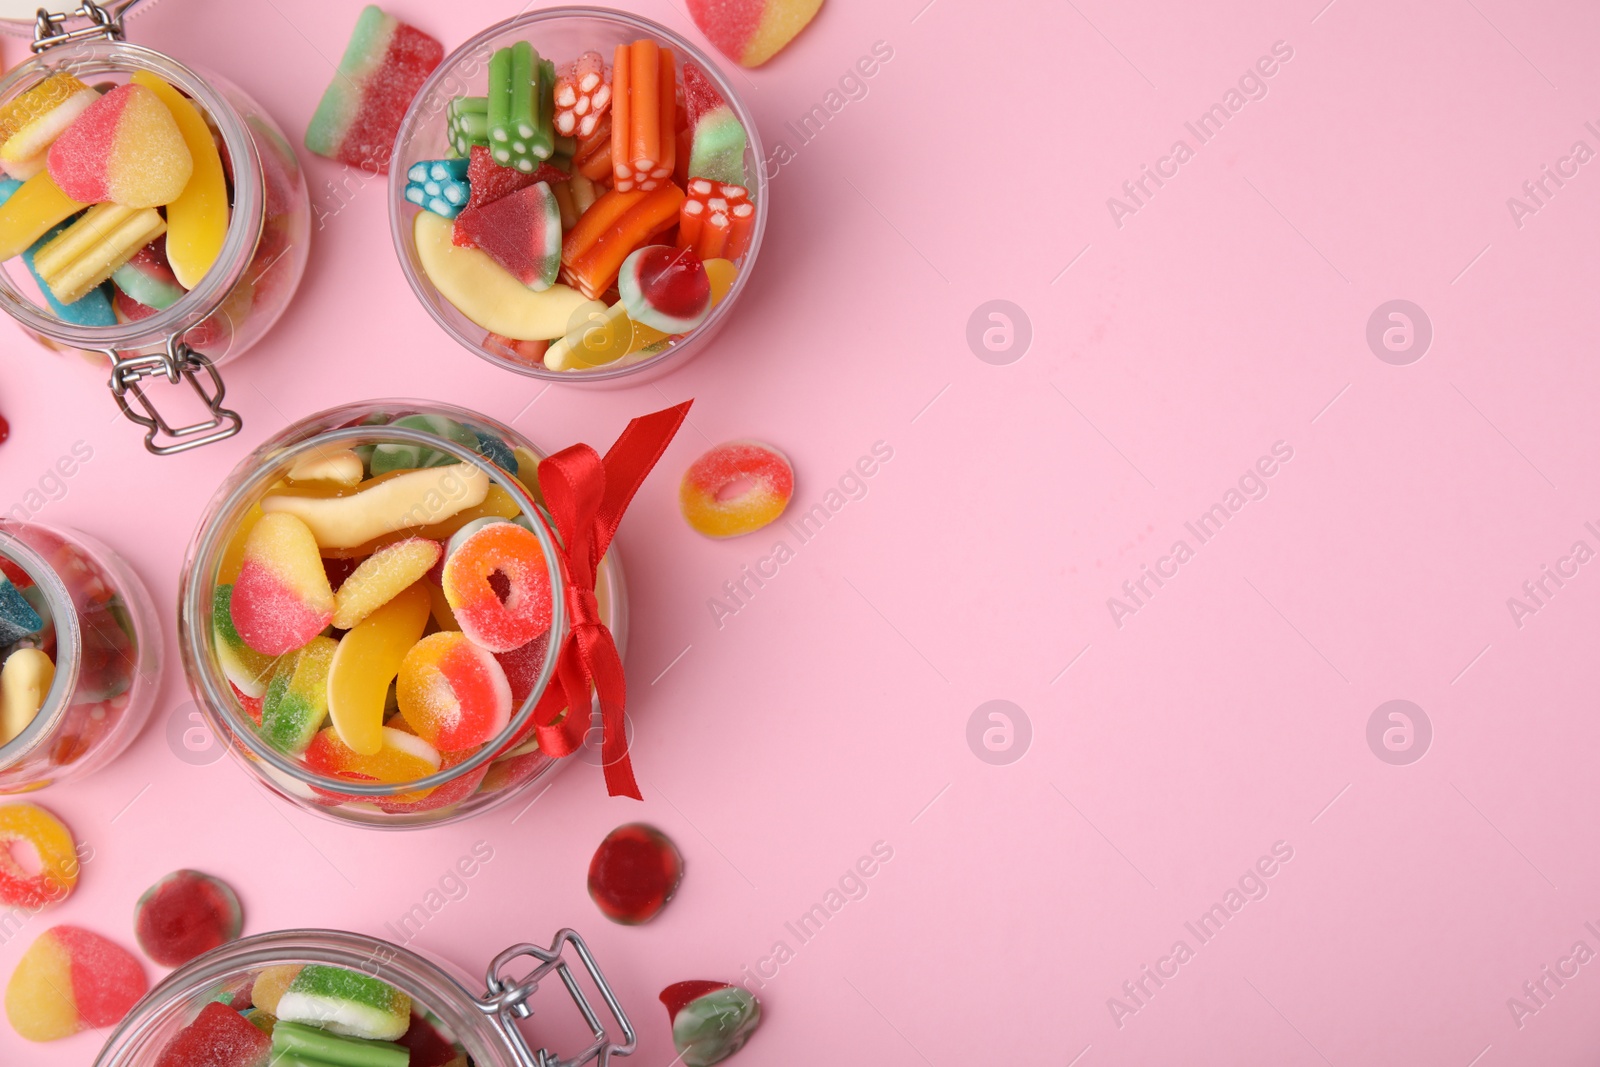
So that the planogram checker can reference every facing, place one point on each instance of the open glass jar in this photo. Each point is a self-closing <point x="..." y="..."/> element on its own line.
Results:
<point x="482" y="1026"/>
<point x="99" y="634"/>
<point x="234" y="302"/>
<point x="439" y="486"/>
<point x="611" y="347"/>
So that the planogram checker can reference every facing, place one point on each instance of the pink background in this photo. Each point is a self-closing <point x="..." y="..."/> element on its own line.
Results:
<point x="831" y="711"/>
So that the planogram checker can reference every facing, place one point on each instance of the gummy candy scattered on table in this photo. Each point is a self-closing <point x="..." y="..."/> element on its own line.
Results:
<point x="565" y="175"/>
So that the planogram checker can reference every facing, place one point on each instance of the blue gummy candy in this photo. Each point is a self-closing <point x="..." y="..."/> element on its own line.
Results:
<point x="17" y="617"/>
<point x="439" y="186"/>
<point x="93" y="308"/>
<point x="497" y="452"/>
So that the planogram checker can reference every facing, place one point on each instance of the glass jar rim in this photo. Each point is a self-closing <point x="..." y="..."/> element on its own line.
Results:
<point x="69" y="643"/>
<point x="400" y="222"/>
<point x="247" y="212"/>
<point x="214" y="691"/>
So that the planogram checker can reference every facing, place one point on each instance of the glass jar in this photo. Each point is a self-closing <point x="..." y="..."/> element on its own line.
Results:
<point x="467" y="783"/>
<point x="483" y="1025"/>
<point x="561" y="33"/>
<point x="101" y="632"/>
<point x="256" y="273"/>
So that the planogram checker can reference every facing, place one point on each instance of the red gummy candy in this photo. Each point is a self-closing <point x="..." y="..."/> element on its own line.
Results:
<point x="520" y="231"/>
<point x="428" y="1047"/>
<point x="5" y="429"/>
<point x="106" y="979"/>
<point x="635" y="871"/>
<point x="184" y="915"/>
<point x="218" y="1037"/>
<point x="700" y="96"/>
<point x="490" y="181"/>
<point x="453" y="792"/>
<point x="679" y="994"/>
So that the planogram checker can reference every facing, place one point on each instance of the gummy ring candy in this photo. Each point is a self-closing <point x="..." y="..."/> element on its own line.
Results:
<point x="58" y="857"/>
<point x="492" y="621"/>
<point x="736" y="488"/>
<point x="453" y="693"/>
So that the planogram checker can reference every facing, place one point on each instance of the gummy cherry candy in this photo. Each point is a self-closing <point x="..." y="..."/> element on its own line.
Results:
<point x="710" y="1020"/>
<point x="71" y="980"/>
<point x="218" y="1037"/>
<point x="635" y="871"/>
<point x="665" y="288"/>
<point x="185" y="914"/>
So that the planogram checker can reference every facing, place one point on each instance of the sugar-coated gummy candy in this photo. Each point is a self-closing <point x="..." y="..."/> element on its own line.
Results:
<point x="197" y="219"/>
<point x="71" y="979"/>
<point x="367" y="660"/>
<point x="93" y="246"/>
<point x="18" y="618"/>
<point x="295" y="1043"/>
<point x="125" y="148"/>
<point x="383" y="66"/>
<point x="520" y="231"/>
<point x="25" y="681"/>
<point x="282" y="598"/>
<point x="270" y="985"/>
<point x="439" y="186"/>
<point x="248" y="670"/>
<point x="34" y="119"/>
<point x="583" y="95"/>
<point x="383" y="506"/>
<point x="634" y="872"/>
<point x="758" y="477"/>
<point x="490" y="181"/>
<point x="453" y="693"/>
<point x="750" y="32"/>
<point x="665" y="288"/>
<point x="381" y="577"/>
<point x="513" y="553"/>
<point x="710" y="1020"/>
<point x="717" y="137"/>
<point x="54" y="849"/>
<point x="345" y="1002"/>
<point x="486" y="292"/>
<point x="296" y="704"/>
<point x="185" y="914"/>
<point x="452" y="792"/>
<point x="218" y="1037"/>
<point x="592" y="251"/>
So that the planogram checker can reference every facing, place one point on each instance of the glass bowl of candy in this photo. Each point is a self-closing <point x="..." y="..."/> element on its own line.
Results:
<point x="577" y="195"/>
<point x="323" y="998"/>
<point x="370" y="612"/>
<point x="80" y="655"/>
<point x="152" y="215"/>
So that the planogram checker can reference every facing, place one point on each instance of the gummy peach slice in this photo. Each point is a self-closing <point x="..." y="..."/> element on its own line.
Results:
<point x="414" y="498"/>
<point x="380" y="577"/>
<point x="368" y="659"/>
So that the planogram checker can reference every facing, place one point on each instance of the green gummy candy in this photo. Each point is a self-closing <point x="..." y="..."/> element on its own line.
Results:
<point x="312" y="1045"/>
<point x="403" y="455"/>
<point x="296" y="703"/>
<point x="714" y="1026"/>
<point x="502" y="97"/>
<point x="345" y="1002"/>
<point x="469" y="123"/>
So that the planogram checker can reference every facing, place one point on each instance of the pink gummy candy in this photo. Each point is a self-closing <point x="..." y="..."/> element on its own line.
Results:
<point x="218" y="1037"/>
<point x="384" y="65"/>
<point x="125" y="148"/>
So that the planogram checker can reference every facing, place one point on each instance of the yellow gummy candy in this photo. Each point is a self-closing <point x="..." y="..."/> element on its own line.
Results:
<point x="382" y="576"/>
<point x="384" y="504"/>
<point x="24" y="684"/>
<point x="39" y="999"/>
<point x="37" y="205"/>
<point x="86" y="253"/>
<point x="197" y="221"/>
<point x="367" y="661"/>
<point x="271" y="984"/>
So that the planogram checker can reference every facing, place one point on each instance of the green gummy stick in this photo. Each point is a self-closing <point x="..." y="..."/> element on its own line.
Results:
<point x="500" y="94"/>
<point x="296" y="1040"/>
<point x="524" y="116"/>
<point x="544" y="140"/>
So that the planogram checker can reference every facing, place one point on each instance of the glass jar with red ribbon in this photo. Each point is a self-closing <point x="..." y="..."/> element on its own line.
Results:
<point x="390" y="608"/>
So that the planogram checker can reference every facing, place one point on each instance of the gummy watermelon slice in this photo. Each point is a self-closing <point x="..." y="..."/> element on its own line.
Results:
<point x="521" y="232"/>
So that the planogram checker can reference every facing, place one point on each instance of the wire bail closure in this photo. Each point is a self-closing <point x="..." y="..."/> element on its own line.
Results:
<point x="508" y="999"/>
<point x="103" y="22"/>
<point x="177" y="364"/>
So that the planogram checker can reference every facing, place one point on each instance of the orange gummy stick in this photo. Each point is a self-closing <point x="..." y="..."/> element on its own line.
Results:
<point x="666" y="121"/>
<point x="644" y="134"/>
<point x="644" y="215"/>
<point x="602" y="215"/>
<point x="621" y="114"/>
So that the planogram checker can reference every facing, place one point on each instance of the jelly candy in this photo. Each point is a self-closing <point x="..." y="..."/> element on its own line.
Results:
<point x="218" y="1037"/>
<point x="248" y="670"/>
<point x="520" y="231"/>
<point x="486" y="293"/>
<point x="710" y="1020"/>
<point x="296" y="1043"/>
<point x="635" y="871"/>
<point x="385" y="505"/>
<point x="31" y="212"/>
<point x="148" y="277"/>
<point x="452" y="792"/>
<point x="716" y="220"/>
<point x="522" y="666"/>
<point x="343" y="467"/>
<point x="70" y="980"/>
<point x="583" y="95"/>
<point x="366" y="662"/>
<point x="665" y="288"/>
<point x="17" y="617"/>
<point x="617" y="223"/>
<point x="381" y="577"/>
<point x="345" y="1002"/>
<point x="496" y="503"/>
<point x="497" y="452"/>
<point x="758" y="477"/>
<point x="592" y="160"/>
<point x="84" y="254"/>
<point x="717" y="137"/>
<point x="498" y="623"/>
<point x="54" y="848"/>
<point x="520" y="112"/>
<point x="125" y="148"/>
<point x="750" y="32"/>
<point x="428" y="1047"/>
<point x="644" y="112"/>
<point x="271" y="983"/>
<point x="605" y="337"/>
<point x="36" y="118"/>
<point x="92" y="309"/>
<point x="24" y="686"/>
<point x="383" y="66"/>
<point x="400" y="455"/>
<point x="468" y="120"/>
<point x="197" y="219"/>
<point x="282" y="598"/>
<point x="439" y="186"/>
<point x="296" y="703"/>
<point x="185" y="914"/>
<point x="453" y="693"/>
<point x="490" y="181"/>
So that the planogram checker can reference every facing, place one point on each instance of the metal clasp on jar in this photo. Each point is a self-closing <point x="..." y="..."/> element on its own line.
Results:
<point x="178" y="363"/>
<point x="102" y="20"/>
<point x="508" y="1000"/>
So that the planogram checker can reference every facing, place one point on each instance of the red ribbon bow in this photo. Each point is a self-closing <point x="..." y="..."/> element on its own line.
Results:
<point x="586" y="496"/>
